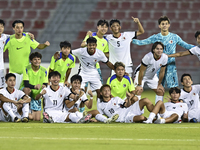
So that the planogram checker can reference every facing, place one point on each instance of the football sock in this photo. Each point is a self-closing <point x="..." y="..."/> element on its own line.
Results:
<point x="100" y="117"/>
<point x="158" y="98"/>
<point x="7" y="108"/>
<point x="25" y="110"/>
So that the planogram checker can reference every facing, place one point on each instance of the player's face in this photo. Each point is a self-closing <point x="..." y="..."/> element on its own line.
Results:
<point x="175" y="96"/>
<point x="36" y="61"/>
<point x="1" y="28"/>
<point x="198" y="39"/>
<point x="76" y="85"/>
<point x="120" y="71"/>
<point x="91" y="48"/>
<point x="55" y="80"/>
<point x="65" y="50"/>
<point x="187" y="82"/>
<point x="102" y="29"/>
<point x="106" y="93"/>
<point x="115" y="28"/>
<point x="11" y="82"/>
<point x="18" y="28"/>
<point x="158" y="51"/>
<point x="164" y="26"/>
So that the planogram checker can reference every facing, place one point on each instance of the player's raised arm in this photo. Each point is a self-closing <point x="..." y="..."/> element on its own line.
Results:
<point x="110" y="65"/>
<point x="140" y="27"/>
<point x="44" y="45"/>
<point x="180" y="54"/>
<point x="84" y="43"/>
<point x="26" y="99"/>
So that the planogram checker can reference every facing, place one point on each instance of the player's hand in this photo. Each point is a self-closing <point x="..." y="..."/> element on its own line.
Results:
<point x="168" y="99"/>
<point x="89" y="33"/>
<point x="90" y="93"/>
<point x="129" y="95"/>
<point x="138" y="90"/>
<point x="126" y="74"/>
<point x="43" y="86"/>
<point x="37" y="87"/>
<point x="47" y="43"/>
<point x="136" y="20"/>
<point x="56" y="55"/>
<point x="160" y="87"/>
<point x="31" y="35"/>
<point x="66" y="83"/>
<point x="43" y="92"/>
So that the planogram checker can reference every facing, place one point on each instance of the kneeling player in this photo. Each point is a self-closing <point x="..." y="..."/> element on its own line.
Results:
<point x="54" y="96"/>
<point x="171" y="112"/>
<point x="127" y="113"/>
<point x="14" y="111"/>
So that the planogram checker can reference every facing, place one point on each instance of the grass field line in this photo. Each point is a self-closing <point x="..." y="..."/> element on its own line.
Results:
<point x="103" y="139"/>
<point x="52" y="127"/>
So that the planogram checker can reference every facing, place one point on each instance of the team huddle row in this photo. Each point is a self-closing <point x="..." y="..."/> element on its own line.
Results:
<point x="119" y="100"/>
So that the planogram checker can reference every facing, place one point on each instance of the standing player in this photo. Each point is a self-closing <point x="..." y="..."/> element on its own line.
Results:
<point x="146" y="71"/>
<point x="34" y="80"/>
<point x="9" y="110"/>
<point x="64" y="63"/>
<point x="121" y="83"/>
<point x="19" y="47"/>
<point x="54" y="96"/>
<point x="169" y="40"/>
<point x="119" y="44"/>
<point x="127" y="113"/>
<point x="193" y="51"/>
<point x="88" y="58"/>
<point x="171" y="112"/>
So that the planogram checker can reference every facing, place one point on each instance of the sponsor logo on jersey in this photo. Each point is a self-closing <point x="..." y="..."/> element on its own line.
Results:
<point x="18" y="48"/>
<point x="170" y="41"/>
<point x="153" y="69"/>
<point x="174" y="107"/>
<point x="124" y="85"/>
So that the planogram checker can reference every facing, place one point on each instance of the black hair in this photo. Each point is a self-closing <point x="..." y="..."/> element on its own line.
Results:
<point x="2" y="22"/>
<point x="102" y="22"/>
<point x="35" y="54"/>
<point x="101" y="89"/>
<point x="91" y="40"/>
<point x="8" y="75"/>
<point x="176" y="89"/>
<point x="76" y="77"/>
<point x="17" y="21"/>
<point x="54" y="73"/>
<point x="163" y="18"/>
<point x="185" y="74"/>
<point x="155" y="45"/>
<point x="65" y="44"/>
<point x="197" y="34"/>
<point x="117" y="64"/>
<point x="113" y="21"/>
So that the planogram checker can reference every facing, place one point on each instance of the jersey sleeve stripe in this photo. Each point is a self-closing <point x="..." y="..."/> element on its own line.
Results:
<point x="128" y="78"/>
<point x="94" y="34"/>
<point x="7" y="40"/>
<point x="71" y="57"/>
<point x="164" y="65"/>
<point x="143" y="64"/>
<point x="190" y="52"/>
<point x="113" y="77"/>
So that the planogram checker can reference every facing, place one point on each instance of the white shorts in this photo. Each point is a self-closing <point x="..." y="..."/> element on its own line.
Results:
<point x="2" y="79"/>
<point x="19" y="79"/>
<point x="95" y="81"/>
<point x="167" y="114"/>
<point x="151" y="83"/>
<point x="128" y="69"/>
<point x="194" y="113"/>
<point x="57" y="115"/>
<point x="133" y="110"/>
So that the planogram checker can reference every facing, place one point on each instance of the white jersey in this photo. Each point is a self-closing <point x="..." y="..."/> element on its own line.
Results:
<point x="114" y="106"/>
<point x="15" y="95"/>
<point x="88" y="62"/>
<point x="83" y="99"/>
<point x="3" y="39"/>
<point x="178" y="108"/>
<point x="119" y="48"/>
<point x="54" y="100"/>
<point x="191" y="98"/>
<point x="153" y="65"/>
<point x="195" y="51"/>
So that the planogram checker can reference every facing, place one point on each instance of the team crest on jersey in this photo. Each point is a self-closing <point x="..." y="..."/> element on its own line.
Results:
<point x="95" y="60"/>
<point x="194" y="94"/>
<point x="170" y="41"/>
<point x="60" y="95"/>
<point x="124" y="38"/>
<point x="114" y="103"/>
<point x="15" y="98"/>
<point x="124" y="85"/>
<point x="3" y="42"/>
<point x="180" y="105"/>
<point x="68" y="65"/>
<point x="160" y="65"/>
<point x="102" y="44"/>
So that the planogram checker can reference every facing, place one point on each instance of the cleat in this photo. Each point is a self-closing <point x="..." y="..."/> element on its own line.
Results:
<point x="147" y="121"/>
<point x="85" y="113"/>
<point x="159" y="121"/>
<point x="16" y="119"/>
<point x="85" y="119"/>
<point x="112" y="119"/>
<point x="25" y="119"/>
<point x="47" y="118"/>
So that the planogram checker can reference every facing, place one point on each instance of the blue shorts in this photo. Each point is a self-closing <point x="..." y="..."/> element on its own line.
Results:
<point x="35" y="104"/>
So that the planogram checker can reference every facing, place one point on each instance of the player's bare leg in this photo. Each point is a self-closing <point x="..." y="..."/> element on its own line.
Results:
<point x="159" y="94"/>
<point x="146" y="102"/>
<point x="139" y="119"/>
<point x="36" y="115"/>
<point x="171" y="119"/>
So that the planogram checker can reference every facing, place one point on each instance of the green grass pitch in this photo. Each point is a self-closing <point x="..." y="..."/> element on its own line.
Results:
<point x="95" y="136"/>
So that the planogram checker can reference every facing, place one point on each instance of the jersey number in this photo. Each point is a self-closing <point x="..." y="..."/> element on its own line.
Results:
<point x="118" y="44"/>
<point x="191" y="102"/>
<point x="111" y="111"/>
<point x="54" y="102"/>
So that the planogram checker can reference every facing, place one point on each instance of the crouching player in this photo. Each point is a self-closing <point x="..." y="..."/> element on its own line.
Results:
<point x="127" y="113"/>
<point x="171" y="112"/>
<point x="14" y="111"/>
<point x="54" y="96"/>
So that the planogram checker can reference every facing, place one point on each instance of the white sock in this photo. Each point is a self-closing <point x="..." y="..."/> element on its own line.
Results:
<point x="139" y="97"/>
<point x="151" y="116"/>
<point x="7" y="108"/>
<point x="25" y="110"/>
<point x="162" y="121"/>
<point x="100" y="117"/>
<point x="74" y="118"/>
<point x="158" y="98"/>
